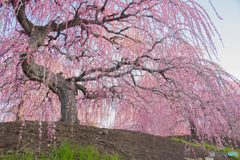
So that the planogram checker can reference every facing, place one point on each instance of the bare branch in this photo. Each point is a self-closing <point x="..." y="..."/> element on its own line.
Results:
<point x="68" y="57"/>
<point x="21" y="16"/>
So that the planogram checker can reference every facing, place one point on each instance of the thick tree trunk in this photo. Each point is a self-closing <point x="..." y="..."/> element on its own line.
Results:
<point x="192" y="127"/>
<point x="66" y="94"/>
<point x="64" y="89"/>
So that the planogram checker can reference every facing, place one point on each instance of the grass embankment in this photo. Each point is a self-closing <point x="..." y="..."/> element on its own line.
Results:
<point x="227" y="149"/>
<point x="67" y="151"/>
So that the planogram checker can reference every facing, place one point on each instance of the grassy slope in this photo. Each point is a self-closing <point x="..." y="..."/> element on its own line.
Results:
<point x="67" y="151"/>
<point x="226" y="149"/>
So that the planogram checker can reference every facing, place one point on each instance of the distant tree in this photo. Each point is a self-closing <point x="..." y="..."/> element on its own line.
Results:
<point x="152" y="57"/>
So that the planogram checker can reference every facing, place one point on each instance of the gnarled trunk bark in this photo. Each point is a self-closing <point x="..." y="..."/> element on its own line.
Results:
<point x="192" y="127"/>
<point x="68" y="106"/>
<point x="66" y="94"/>
<point x="64" y="89"/>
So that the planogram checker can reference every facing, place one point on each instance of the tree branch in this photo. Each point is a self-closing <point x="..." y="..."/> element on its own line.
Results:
<point x="19" y="7"/>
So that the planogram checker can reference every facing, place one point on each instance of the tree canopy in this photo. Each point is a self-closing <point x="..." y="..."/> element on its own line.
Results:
<point x="145" y="64"/>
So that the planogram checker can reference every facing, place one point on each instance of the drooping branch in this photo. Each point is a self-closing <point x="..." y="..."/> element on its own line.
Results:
<point x="100" y="69"/>
<point x="118" y="75"/>
<point x="36" y="72"/>
<point x="96" y="94"/>
<point x="110" y="72"/>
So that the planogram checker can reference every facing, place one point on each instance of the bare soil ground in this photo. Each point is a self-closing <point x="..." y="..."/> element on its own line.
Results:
<point x="129" y="144"/>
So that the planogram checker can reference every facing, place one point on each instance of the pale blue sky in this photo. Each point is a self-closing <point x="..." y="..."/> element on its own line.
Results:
<point x="229" y="28"/>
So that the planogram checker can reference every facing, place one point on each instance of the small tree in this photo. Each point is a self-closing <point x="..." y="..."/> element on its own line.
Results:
<point x="150" y="56"/>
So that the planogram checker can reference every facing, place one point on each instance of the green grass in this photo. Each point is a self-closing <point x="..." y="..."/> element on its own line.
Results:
<point x="227" y="149"/>
<point x="67" y="151"/>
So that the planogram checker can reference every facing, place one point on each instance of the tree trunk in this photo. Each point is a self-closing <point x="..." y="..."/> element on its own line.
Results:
<point x="66" y="94"/>
<point x="192" y="127"/>
<point x="64" y="89"/>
